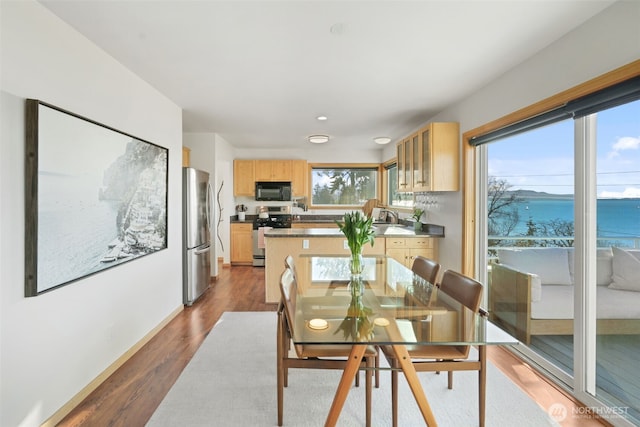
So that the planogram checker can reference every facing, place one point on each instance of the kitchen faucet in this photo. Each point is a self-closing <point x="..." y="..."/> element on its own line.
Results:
<point x="394" y="216"/>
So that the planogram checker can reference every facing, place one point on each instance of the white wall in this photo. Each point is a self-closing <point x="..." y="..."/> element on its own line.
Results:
<point x="53" y="345"/>
<point x="609" y="40"/>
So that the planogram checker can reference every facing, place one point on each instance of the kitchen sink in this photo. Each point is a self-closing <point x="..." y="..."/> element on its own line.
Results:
<point x="386" y="228"/>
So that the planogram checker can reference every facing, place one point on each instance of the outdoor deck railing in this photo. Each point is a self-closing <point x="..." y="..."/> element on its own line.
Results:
<point x="603" y="241"/>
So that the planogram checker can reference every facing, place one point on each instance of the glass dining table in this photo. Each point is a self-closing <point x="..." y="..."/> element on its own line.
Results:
<point x="387" y="305"/>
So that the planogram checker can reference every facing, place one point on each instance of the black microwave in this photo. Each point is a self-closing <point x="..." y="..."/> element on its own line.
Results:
<point x="272" y="190"/>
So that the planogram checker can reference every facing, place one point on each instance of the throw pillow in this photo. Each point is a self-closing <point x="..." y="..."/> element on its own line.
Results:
<point x="551" y="264"/>
<point x="626" y="270"/>
<point x="603" y="266"/>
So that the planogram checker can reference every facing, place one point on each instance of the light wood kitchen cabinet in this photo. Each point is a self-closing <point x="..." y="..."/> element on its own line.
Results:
<point x="405" y="249"/>
<point x="435" y="164"/>
<point x="241" y="244"/>
<point x="186" y="157"/>
<point x="429" y="160"/>
<point x="299" y="178"/>
<point x="273" y="170"/>
<point x="247" y="172"/>
<point x="244" y="178"/>
<point x="403" y="153"/>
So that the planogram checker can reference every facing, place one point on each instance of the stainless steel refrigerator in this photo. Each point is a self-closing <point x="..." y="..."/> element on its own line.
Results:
<point x="197" y="218"/>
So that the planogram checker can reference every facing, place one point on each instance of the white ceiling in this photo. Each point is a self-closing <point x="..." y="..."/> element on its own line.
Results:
<point x="259" y="72"/>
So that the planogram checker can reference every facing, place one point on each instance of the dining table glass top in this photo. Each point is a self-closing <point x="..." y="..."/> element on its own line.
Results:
<point x="387" y="305"/>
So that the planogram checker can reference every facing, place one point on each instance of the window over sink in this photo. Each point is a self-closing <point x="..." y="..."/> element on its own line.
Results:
<point x="337" y="185"/>
<point x="392" y="197"/>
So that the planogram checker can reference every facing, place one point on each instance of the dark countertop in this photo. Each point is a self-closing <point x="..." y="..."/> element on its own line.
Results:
<point x="296" y="218"/>
<point x="382" y="230"/>
<point x="404" y="228"/>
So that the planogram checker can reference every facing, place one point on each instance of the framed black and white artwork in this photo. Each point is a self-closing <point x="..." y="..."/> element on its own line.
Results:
<point x="95" y="198"/>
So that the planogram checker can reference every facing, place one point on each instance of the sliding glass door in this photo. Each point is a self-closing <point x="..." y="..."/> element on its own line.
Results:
<point x="616" y="141"/>
<point x="561" y="251"/>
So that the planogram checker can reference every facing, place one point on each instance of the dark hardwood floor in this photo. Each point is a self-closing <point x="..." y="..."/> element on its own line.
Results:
<point x="130" y="395"/>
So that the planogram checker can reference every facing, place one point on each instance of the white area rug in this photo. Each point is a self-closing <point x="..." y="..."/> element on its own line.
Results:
<point x="231" y="381"/>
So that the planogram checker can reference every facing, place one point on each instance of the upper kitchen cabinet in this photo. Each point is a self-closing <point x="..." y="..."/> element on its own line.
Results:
<point x="273" y="170"/>
<point x="403" y="152"/>
<point x="247" y="172"/>
<point x="430" y="159"/>
<point x="299" y="178"/>
<point x="186" y="157"/>
<point x="244" y="178"/>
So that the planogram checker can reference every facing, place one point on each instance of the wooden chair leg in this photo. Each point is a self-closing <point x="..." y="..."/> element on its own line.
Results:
<point x="450" y="379"/>
<point x="377" y="367"/>
<point x="394" y="395"/>
<point x="280" y="370"/>
<point x="285" y="353"/>
<point x="368" y="376"/>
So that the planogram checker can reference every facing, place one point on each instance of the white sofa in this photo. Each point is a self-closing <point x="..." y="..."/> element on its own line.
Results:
<point x="531" y="291"/>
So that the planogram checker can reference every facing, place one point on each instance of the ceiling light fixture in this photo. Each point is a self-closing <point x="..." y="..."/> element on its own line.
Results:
<point x="382" y="140"/>
<point x="318" y="139"/>
<point x="321" y="118"/>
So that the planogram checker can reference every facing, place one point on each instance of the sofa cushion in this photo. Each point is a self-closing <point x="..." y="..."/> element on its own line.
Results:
<point x="603" y="266"/>
<point x="550" y="264"/>
<point x="557" y="303"/>
<point x="626" y="270"/>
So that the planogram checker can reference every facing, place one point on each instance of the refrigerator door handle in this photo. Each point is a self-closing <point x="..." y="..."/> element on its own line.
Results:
<point x="209" y="207"/>
<point x="202" y="251"/>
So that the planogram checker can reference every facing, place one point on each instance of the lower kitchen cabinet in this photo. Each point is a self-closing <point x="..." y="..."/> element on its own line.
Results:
<point x="241" y="244"/>
<point x="405" y="249"/>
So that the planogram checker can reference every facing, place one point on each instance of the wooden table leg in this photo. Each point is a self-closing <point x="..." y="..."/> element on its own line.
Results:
<point x="402" y="355"/>
<point x="482" y="381"/>
<point x="352" y="366"/>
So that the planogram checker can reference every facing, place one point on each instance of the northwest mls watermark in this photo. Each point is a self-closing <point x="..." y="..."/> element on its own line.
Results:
<point x="559" y="412"/>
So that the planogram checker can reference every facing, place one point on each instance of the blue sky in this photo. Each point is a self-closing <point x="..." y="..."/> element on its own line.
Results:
<point x="542" y="159"/>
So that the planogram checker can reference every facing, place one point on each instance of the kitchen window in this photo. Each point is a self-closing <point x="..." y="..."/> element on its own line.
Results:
<point x="334" y="185"/>
<point x="392" y="197"/>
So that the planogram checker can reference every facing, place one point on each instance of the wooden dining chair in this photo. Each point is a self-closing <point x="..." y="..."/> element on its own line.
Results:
<point x="310" y="356"/>
<point x="432" y="358"/>
<point x="426" y="268"/>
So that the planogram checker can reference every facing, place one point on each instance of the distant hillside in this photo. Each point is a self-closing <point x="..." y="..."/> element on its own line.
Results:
<point x="529" y="194"/>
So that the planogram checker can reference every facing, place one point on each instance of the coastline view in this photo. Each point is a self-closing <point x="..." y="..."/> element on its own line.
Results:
<point x="618" y="220"/>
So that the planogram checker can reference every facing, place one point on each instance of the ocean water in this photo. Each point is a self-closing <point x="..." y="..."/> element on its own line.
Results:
<point x="615" y="217"/>
<point x="74" y="229"/>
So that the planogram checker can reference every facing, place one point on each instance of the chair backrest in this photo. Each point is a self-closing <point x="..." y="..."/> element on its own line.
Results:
<point x="426" y="268"/>
<point x="291" y="265"/>
<point x="463" y="289"/>
<point x="288" y="292"/>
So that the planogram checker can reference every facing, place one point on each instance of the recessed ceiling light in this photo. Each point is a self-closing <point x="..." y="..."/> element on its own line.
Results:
<point x="321" y="118"/>
<point x="318" y="139"/>
<point x="382" y="140"/>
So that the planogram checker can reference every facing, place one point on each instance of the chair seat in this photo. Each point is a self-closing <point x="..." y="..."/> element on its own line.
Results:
<point x="438" y="352"/>
<point x="430" y="352"/>
<point x="330" y="351"/>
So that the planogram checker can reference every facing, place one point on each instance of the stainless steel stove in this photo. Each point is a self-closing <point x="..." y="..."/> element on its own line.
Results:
<point x="268" y="217"/>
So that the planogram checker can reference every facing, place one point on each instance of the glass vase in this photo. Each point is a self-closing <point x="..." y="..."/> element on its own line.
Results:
<point x="356" y="264"/>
